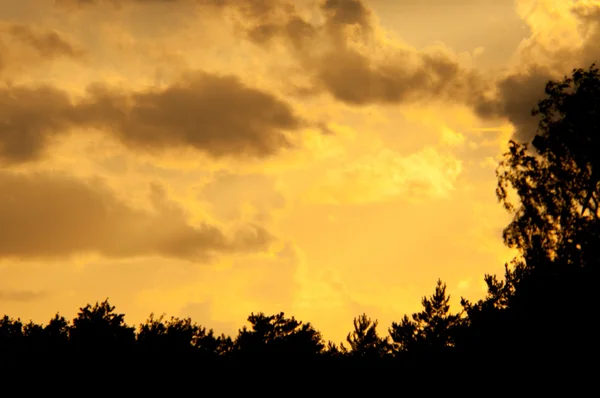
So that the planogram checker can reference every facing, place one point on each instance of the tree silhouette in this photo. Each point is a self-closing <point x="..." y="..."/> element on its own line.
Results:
<point x="99" y="330"/>
<point x="51" y="339"/>
<point x="11" y="335"/>
<point x="557" y="186"/>
<point x="276" y="338"/>
<point x="555" y="228"/>
<point x="174" y="335"/>
<point x="365" y="343"/>
<point x="429" y="331"/>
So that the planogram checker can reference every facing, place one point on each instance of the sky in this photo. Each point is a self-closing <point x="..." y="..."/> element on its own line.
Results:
<point x="214" y="158"/>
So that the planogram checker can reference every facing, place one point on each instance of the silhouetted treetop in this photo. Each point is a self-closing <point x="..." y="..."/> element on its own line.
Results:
<point x="430" y="330"/>
<point x="557" y="187"/>
<point x="276" y="336"/>
<point x="99" y="328"/>
<point x="364" y="340"/>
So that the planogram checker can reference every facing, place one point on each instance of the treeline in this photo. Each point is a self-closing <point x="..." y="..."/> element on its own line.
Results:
<point x="526" y="315"/>
<point x="543" y="311"/>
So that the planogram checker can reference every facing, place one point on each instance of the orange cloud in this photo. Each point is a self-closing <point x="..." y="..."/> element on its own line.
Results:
<point x="48" y="216"/>
<point x="24" y="45"/>
<point x="47" y="43"/>
<point x="565" y="35"/>
<point x="20" y="295"/>
<point x="218" y="115"/>
<point x="386" y="176"/>
<point x="346" y="57"/>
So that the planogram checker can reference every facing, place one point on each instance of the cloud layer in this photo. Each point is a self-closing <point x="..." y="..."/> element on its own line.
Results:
<point x="53" y="216"/>
<point x="217" y="115"/>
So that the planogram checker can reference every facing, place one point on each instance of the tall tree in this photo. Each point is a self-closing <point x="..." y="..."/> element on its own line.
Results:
<point x="364" y="340"/>
<point x="431" y="330"/>
<point x="557" y="186"/>
<point x="555" y="228"/>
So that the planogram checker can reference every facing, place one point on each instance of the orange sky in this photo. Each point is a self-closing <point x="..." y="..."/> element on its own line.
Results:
<point x="211" y="159"/>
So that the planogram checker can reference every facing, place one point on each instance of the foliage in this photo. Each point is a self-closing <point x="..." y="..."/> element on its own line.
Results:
<point x="431" y="330"/>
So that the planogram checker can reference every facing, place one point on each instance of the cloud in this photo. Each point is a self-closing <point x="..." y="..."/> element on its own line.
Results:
<point x="588" y="17"/>
<point x="565" y="36"/>
<point x="386" y="175"/>
<point x="47" y="43"/>
<point x="517" y="94"/>
<point x="339" y="45"/>
<point x="230" y="195"/>
<point x="217" y="115"/>
<point x="29" y="118"/>
<point x="342" y="13"/>
<point x="347" y="56"/>
<point x="23" y="45"/>
<point x="20" y="295"/>
<point x="117" y="3"/>
<point x="51" y="216"/>
<point x="356" y="79"/>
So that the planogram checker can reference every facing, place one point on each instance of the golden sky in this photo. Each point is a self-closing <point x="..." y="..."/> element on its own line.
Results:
<point x="213" y="158"/>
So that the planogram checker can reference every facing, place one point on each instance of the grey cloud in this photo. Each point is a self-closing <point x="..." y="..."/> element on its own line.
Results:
<point x="20" y="295"/>
<point x="218" y="115"/>
<point x="347" y="12"/>
<point x="53" y="216"/>
<point x="83" y="3"/>
<point x="76" y="4"/>
<point x="29" y="118"/>
<point x="346" y="74"/>
<point x="48" y="43"/>
<point x="40" y="45"/>
<point x="353" y="78"/>
<point x="517" y="95"/>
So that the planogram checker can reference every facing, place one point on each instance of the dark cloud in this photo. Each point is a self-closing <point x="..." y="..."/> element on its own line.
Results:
<point x="260" y="9"/>
<point x="254" y="5"/>
<point x="20" y="295"/>
<point x="29" y="118"/>
<point x="324" y="53"/>
<point x="518" y="93"/>
<point x="277" y="18"/>
<point x="53" y="216"/>
<point x="23" y="45"/>
<point x="355" y="79"/>
<point x="218" y="115"/>
<point x="347" y="12"/>
<point x="47" y="43"/>
<point x="516" y="97"/>
<point x="83" y="3"/>
<point x="295" y="30"/>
